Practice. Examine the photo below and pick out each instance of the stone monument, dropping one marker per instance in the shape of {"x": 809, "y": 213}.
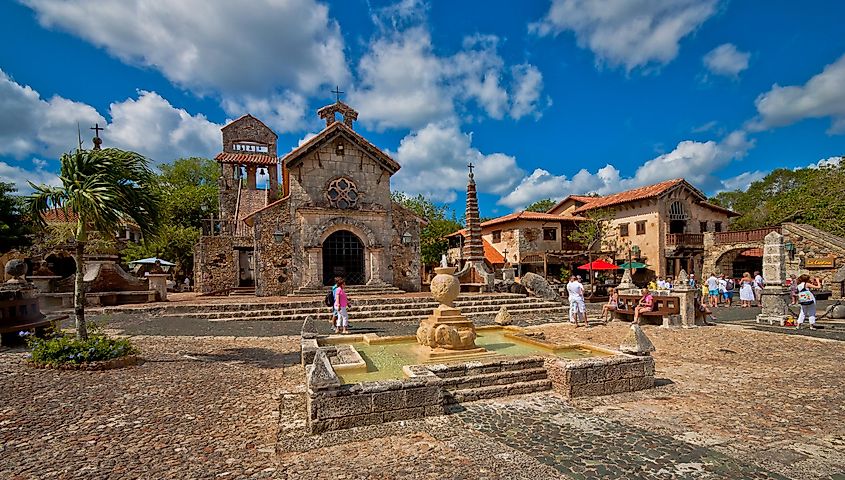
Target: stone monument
{"x": 627, "y": 283}
{"x": 19, "y": 305}
{"x": 686, "y": 299}
{"x": 446, "y": 332}
{"x": 775, "y": 297}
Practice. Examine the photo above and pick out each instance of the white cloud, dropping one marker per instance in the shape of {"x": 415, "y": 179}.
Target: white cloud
{"x": 150, "y": 125}
{"x": 726, "y": 60}
{"x": 20, "y": 177}
{"x": 698, "y": 162}
{"x": 742, "y": 181}
{"x": 31, "y": 125}
{"x": 434, "y": 163}
{"x": 822, "y": 96}
{"x": 630, "y": 33}
{"x": 405, "y": 84}
{"x": 215, "y": 45}
{"x": 285, "y": 112}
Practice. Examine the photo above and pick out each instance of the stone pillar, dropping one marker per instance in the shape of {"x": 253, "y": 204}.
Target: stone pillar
{"x": 272, "y": 171}
{"x": 708, "y": 260}
{"x": 686, "y": 299}
{"x": 775, "y": 298}
{"x": 473, "y": 248}
{"x": 250, "y": 177}
{"x": 158, "y": 282}
{"x": 315, "y": 270}
{"x": 375, "y": 264}
{"x": 509, "y": 274}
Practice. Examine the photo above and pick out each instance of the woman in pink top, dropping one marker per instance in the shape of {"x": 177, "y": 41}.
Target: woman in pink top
{"x": 646, "y": 304}
{"x": 340, "y": 304}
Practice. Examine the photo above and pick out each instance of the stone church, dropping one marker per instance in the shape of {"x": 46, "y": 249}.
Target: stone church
{"x": 331, "y": 215}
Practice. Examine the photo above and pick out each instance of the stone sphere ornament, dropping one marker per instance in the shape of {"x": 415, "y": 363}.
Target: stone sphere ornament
{"x": 16, "y": 269}
{"x": 445, "y": 287}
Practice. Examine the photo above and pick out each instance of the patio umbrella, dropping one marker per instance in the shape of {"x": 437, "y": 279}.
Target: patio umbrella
{"x": 598, "y": 265}
{"x": 152, "y": 260}
{"x": 633, "y": 265}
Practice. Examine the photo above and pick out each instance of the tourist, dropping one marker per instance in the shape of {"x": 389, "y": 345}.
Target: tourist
{"x": 577, "y": 308}
{"x": 646, "y": 304}
{"x": 611, "y": 306}
{"x": 703, "y": 311}
{"x": 722, "y": 284}
{"x": 713, "y": 290}
{"x": 746, "y": 290}
{"x": 187, "y": 284}
{"x": 340, "y": 305}
{"x": 730, "y": 287}
{"x": 807, "y": 300}
{"x": 758, "y": 287}
{"x": 692, "y": 280}
{"x": 793, "y": 289}
{"x": 661, "y": 284}
{"x": 330, "y": 301}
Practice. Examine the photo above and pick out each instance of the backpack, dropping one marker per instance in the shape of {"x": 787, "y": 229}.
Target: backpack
{"x": 329, "y": 300}
{"x": 805, "y": 297}
{"x": 729, "y": 285}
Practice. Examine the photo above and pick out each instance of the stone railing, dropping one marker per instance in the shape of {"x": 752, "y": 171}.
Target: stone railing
{"x": 744, "y": 236}
{"x": 684, "y": 239}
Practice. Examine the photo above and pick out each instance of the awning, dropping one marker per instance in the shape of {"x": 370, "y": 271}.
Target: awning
{"x": 598, "y": 265}
{"x": 151, "y": 261}
{"x": 633, "y": 265}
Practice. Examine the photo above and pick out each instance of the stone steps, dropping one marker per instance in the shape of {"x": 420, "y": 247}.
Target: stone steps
{"x": 496, "y": 391}
{"x": 377, "y": 316}
{"x": 350, "y": 289}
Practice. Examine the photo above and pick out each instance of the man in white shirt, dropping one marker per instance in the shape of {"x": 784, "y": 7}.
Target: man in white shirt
{"x": 576, "y": 301}
{"x": 713, "y": 290}
{"x": 758, "y": 287}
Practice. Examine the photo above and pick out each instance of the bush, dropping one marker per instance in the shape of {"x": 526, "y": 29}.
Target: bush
{"x": 67, "y": 349}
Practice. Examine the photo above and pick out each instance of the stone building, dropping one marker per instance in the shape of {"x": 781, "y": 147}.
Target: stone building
{"x": 332, "y": 215}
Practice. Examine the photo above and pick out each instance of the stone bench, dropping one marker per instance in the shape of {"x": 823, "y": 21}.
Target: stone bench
{"x": 665, "y": 308}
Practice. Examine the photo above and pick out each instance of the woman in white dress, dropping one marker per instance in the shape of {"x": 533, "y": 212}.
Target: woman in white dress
{"x": 746, "y": 290}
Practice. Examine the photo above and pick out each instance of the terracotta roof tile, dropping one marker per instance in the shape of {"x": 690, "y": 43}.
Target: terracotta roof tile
{"x": 491, "y": 254}
{"x": 57, "y": 215}
{"x": 642, "y": 193}
{"x": 530, "y": 216}
{"x": 246, "y": 158}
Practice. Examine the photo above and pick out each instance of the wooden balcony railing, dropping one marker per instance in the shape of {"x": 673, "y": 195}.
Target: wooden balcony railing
{"x": 743, "y": 236}
{"x": 685, "y": 239}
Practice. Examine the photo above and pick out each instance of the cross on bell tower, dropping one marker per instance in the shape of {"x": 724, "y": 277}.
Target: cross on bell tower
{"x": 97, "y": 140}
{"x": 329, "y": 112}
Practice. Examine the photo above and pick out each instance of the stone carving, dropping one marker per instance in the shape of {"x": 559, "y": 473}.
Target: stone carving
{"x": 503, "y": 317}
{"x": 309, "y": 328}
{"x": 446, "y": 331}
{"x": 321, "y": 374}
{"x": 538, "y": 286}
{"x": 16, "y": 269}
{"x": 445, "y": 287}
{"x": 836, "y": 312}
{"x": 636, "y": 342}
{"x": 443, "y": 262}
{"x": 627, "y": 283}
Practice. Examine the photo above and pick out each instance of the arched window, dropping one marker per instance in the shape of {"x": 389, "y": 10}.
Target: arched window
{"x": 677, "y": 211}
{"x": 342, "y": 193}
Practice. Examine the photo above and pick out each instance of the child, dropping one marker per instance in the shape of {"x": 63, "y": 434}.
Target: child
{"x": 340, "y": 305}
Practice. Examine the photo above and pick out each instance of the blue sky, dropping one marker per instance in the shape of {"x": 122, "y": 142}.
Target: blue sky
{"x": 548, "y": 97}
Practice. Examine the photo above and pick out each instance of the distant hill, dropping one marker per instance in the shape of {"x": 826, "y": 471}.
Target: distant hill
{"x": 813, "y": 195}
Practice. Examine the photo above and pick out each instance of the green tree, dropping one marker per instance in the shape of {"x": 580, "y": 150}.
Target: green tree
{"x": 14, "y": 230}
{"x": 541, "y": 206}
{"x": 815, "y": 196}
{"x": 104, "y": 188}
{"x": 433, "y": 241}
{"x": 593, "y": 232}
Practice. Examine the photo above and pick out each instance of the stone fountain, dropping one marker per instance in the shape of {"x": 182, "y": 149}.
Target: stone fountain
{"x": 446, "y": 332}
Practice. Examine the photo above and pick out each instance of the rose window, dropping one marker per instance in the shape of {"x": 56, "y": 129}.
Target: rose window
{"x": 342, "y": 193}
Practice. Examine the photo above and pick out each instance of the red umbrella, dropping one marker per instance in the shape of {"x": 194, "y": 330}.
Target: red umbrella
{"x": 598, "y": 265}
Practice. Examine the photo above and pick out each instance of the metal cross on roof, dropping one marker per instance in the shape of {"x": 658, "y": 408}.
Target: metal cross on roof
{"x": 470, "y": 166}
{"x": 337, "y": 93}
{"x": 97, "y": 140}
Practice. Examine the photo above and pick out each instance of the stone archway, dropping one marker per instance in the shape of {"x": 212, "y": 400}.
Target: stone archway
{"x": 344, "y": 256}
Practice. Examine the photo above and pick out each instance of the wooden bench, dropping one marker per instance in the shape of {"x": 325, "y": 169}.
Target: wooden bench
{"x": 663, "y": 308}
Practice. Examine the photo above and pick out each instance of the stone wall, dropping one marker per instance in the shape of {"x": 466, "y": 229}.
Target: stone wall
{"x": 274, "y": 270}
{"x": 215, "y": 264}
{"x": 814, "y": 243}
{"x": 602, "y": 375}
{"x": 405, "y": 258}
{"x": 251, "y": 129}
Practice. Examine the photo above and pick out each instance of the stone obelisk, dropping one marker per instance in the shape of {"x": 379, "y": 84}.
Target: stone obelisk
{"x": 775, "y": 294}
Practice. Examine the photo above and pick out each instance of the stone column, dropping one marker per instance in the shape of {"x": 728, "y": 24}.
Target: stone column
{"x": 158, "y": 282}
{"x": 251, "y": 177}
{"x": 315, "y": 270}
{"x": 775, "y": 298}
{"x": 375, "y": 254}
{"x": 686, "y": 299}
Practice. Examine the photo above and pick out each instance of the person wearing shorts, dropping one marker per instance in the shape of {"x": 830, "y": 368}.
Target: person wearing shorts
{"x": 577, "y": 307}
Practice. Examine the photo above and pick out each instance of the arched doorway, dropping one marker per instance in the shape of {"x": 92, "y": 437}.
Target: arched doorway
{"x": 61, "y": 265}
{"x": 678, "y": 218}
{"x": 343, "y": 256}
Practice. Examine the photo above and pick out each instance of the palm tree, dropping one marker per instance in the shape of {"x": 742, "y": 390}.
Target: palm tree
{"x": 100, "y": 189}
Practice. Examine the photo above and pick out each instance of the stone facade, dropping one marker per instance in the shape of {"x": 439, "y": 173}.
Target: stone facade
{"x": 336, "y": 217}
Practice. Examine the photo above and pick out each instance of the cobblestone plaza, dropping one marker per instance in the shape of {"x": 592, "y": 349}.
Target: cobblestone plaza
{"x": 731, "y": 402}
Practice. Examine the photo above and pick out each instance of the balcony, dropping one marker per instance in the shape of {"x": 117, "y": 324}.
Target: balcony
{"x": 744, "y": 236}
{"x": 685, "y": 239}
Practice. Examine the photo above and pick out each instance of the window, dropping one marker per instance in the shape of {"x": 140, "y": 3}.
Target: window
{"x": 623, "y": 229}
{"x": 342, "y": 193}
{"x": 717, "y": 226}
{"x": 250, "y": 147}
{"x": 549, "y": 234}
{"x": 497, "y": 236}
{"x": 641, "y": 227}
{"x": 703, "y": 226}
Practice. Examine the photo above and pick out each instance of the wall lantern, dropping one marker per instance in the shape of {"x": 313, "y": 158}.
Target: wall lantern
{"x": 279, "y": 236}
{"x": 790, "y": 248}
{"x": 406, "y": 238}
